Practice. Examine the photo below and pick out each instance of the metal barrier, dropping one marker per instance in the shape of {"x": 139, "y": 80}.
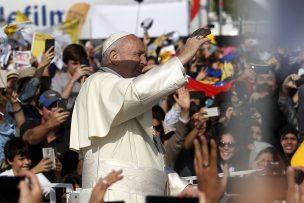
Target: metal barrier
{"x": 72, "y": 196}
{"x": 68, "y": 187}
{"x": 193, "y": 179}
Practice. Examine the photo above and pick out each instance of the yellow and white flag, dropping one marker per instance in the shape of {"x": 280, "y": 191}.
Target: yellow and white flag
{"x": 20, "y": 17}
{"x": 71, "y": 27}
{"x": 20, "y": 33}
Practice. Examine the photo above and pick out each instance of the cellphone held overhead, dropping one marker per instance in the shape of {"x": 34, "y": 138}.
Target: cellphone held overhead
{"x": 48, "y": 44}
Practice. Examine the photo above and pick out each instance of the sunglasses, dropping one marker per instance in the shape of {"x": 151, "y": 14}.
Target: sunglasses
{"x": 228, "y": 144}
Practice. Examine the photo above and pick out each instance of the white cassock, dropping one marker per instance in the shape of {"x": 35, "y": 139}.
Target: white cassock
{"x": 112, "y": 127}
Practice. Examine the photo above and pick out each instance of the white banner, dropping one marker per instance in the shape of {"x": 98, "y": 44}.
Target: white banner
{"x": 43, "y": 13}
{"x": 168, "y": 15}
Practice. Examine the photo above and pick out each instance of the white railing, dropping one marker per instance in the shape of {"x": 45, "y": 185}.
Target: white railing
{"x": 192, "y": 179}
{"x": 68, "y": 187}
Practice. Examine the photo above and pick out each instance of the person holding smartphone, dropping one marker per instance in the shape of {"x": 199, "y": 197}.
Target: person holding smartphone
{"x": 17, "y": 155}
{"x": 50, "y": 130}
{"x": 77, "y": 68}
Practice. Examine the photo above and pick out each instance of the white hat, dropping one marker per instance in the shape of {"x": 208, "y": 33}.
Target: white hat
{"x": 111, "y": 39}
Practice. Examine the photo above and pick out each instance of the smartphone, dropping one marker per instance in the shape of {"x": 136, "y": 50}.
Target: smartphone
{"x": 197, "y": 95}
{"x": 9, "y": 191}
{"x": 48, "y": 44}
{"x": 260, "y": 68}
{"x": 85, "y": 61}
{"x": 74, "y": 196}
{"x": 212, "y": 112}
{"x": 61, "y": 104}
{"x": 201, "y": 32}
{"x": 170, "y": 199}
{"x": 50, "y": 153}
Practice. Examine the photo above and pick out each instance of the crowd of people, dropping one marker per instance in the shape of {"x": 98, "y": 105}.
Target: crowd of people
{"x": 96, "y": 112}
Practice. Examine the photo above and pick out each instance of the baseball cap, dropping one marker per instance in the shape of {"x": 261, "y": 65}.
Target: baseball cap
{"x": 48, "y": 98}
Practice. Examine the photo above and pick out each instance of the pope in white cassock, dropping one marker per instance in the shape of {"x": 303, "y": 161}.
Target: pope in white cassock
{"x": 112, "y": 120}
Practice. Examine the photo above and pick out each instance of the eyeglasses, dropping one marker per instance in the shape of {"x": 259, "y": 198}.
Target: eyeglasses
{"x": 228, "y": 144}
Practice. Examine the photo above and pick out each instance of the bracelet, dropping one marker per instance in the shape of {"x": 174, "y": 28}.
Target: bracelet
{"x": 14, "y": 112}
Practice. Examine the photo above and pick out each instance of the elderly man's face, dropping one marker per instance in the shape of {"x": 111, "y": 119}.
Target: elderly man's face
{"x": 131, "y": 56}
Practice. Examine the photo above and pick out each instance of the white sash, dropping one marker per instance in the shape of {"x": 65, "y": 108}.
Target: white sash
{"x": 136, "y": 180}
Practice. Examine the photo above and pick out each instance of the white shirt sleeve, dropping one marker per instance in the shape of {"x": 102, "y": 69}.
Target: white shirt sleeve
{"x": 172, "y": 116}
{"x": 43, "y": 182}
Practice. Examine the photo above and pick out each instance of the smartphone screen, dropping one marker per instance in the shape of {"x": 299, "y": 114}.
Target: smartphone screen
{"x": 211, "y": 112}
{"x": 50, "y": 153}
{"x": 85, "y": 61}
{"x": 197, "y": 95}
{"x": 61, "y": 104}
{"x": 261, "y": 68}
{"x": 48, "y": 44}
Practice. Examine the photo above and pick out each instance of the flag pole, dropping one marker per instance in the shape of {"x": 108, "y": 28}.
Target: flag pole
{"x": 137, "y": 17}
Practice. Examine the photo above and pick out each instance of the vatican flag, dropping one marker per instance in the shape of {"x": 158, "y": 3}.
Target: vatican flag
{"x": 71, "y": 27}
{"x": 10, "y": 29}
{"x": 20, "y": 33}
{"x": 20, "y": 17}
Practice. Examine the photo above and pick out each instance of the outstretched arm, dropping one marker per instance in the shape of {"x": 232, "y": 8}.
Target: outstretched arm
{"x": 101, "y": 187}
